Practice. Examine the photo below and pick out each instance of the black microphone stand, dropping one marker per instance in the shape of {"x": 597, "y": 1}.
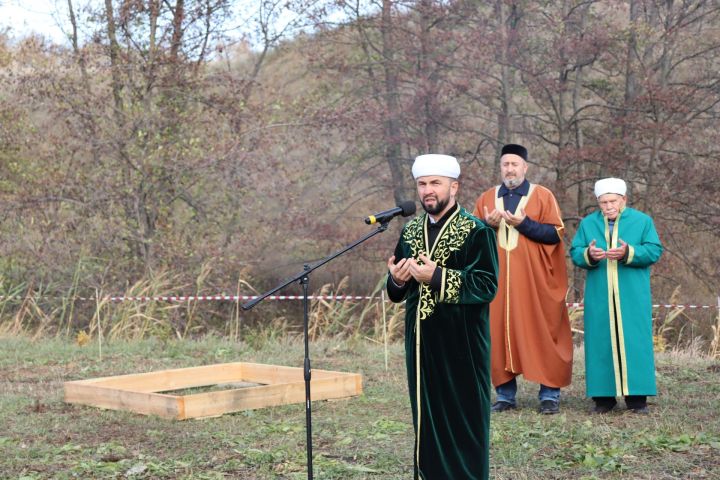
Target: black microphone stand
{"x": 304, "y": 279}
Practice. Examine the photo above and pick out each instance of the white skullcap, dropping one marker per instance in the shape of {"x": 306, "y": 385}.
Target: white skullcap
{"x": 610, "y": 185}
{"x": 434, "y": 164}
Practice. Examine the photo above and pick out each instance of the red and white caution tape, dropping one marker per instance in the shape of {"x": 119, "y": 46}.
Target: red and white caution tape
{"x": 237, "y": 298}
{"x": 232, "y": 298}
{"x": 658, "y": 305}
{"x": 195, "y": 298}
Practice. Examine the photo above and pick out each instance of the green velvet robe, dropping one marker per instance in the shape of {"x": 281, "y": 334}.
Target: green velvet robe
{"x": 618, "y": 305}
{"x": 448, "y": 357}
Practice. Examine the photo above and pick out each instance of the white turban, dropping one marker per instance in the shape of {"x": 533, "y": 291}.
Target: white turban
{"x": 434, "y": 164}
{"x": 610, "y": 185}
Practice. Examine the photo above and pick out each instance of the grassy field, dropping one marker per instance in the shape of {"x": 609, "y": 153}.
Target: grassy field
{"x": 367, "y": 437}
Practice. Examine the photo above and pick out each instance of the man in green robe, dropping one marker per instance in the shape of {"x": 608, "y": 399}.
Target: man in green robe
{"x": 617, "y": 245}
{"x": 445, "y": 267}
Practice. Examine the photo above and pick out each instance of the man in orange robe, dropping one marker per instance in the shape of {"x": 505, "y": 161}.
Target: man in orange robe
{"x": 529, "y": 324}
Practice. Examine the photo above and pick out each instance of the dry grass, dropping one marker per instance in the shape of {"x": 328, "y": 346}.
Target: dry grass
{"x": 28, "y": 311}
{"x": 368, "y": 437}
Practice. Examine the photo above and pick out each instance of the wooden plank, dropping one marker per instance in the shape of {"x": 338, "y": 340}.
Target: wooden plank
{"x": 336, "y": 387}
{"x": 217, "y": 403}
{"x": 166, "y": 406}
{"x": 282, "y": 385}
{"x": 175, "y": 379}
{"x": 271, "y": 374}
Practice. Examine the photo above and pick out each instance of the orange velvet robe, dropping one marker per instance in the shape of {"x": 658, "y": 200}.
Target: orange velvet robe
{"x": 529, "y": 324}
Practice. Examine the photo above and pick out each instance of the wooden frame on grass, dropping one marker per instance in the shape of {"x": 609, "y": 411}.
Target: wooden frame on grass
{"x": 140, "y": 393}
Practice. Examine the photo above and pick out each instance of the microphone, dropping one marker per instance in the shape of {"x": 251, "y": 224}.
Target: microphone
{"x": 405, "y": 209}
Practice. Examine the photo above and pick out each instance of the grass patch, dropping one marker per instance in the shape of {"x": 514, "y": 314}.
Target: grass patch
{"x": 370, "y": 437}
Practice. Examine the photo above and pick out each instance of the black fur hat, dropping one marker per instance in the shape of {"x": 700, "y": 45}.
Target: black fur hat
{"x": 515, "y": 149}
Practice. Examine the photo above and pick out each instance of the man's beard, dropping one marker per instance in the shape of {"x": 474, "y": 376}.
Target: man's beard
{"x": 439, "y": 206}
{"x": 511, "y": 182}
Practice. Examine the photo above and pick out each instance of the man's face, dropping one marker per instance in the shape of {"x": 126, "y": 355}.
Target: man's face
{"x": 611, "y": 204}
{"x": 512, "y": 170}
{"x": 435, "y": 192}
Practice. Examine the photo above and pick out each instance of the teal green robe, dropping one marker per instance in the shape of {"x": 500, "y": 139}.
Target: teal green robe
{"x": 618, "y": 305}
{"x": 448, "y": 357}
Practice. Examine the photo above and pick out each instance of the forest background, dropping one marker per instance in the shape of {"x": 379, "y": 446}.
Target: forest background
{"x": 201, "y": 147}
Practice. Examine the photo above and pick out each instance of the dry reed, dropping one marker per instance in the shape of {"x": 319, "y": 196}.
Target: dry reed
{"x": 28, "y": 311}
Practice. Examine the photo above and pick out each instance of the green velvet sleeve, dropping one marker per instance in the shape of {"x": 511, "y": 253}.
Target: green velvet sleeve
{"x": 477, "y": 282}
{"x": 395, "y": 293}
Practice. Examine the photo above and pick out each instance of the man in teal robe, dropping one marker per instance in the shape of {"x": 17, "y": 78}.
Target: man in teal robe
{"x": 617, "y": 245}
{"x": 445, "y": 267}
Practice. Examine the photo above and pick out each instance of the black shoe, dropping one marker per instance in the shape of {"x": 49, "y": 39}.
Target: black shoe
{"x": 603, "y": 405}
{"x": 549, "y": 407}
{"x": 643, "y": 410}
{"x": 603, "y": 408}
{"x": 501, "y": 406}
